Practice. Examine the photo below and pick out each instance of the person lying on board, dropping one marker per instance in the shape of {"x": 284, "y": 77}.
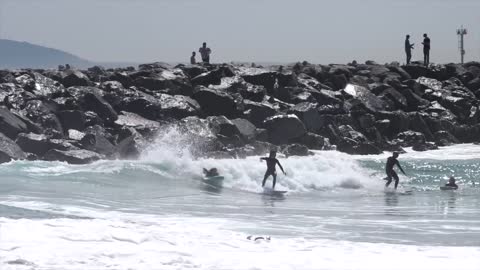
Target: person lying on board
{"x": 271, "y": 168}
{"x": 210, "y": 173}
{"x": 451, "y": 183}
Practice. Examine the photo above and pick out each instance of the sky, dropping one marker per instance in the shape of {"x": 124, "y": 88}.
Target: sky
{"x": 318, "y": 31}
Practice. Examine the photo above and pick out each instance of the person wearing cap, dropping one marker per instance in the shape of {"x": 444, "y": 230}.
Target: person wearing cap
{"x": 271, "y": 168}
{"x": 391, "y": 162}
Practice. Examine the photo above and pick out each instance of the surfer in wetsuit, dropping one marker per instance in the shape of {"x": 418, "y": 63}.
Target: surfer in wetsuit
{"x": 210, "y": 173}
{"x": 451, "y": 183}
{"x": 271, "y": 168}
{"x": 391, "y": 162}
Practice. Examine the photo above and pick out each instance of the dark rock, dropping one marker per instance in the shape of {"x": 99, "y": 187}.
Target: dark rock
{"x": 314, "y": 141}
{"x": 213, "y": 77}
{"x": 295, "y": 150}
{"x": 72, "y": 120}
{"x": 368, "y": 100}
{"x": 72, "y": 156}
{"x": 33, "y": 143}
{"x": 416, "y": 71}
{"x": 132, "y": 146}
{"x": 445, "y": 138}
{"x": 76, "y": 78}
{"x": 9, "y": 150}
{"x": 193, "y": 71}
{"x": 247, "y": 130}
{"x": 95, "y": 141}
{"x": 411, "y": 138}
{"x": 282, "y": 128}
{"x": 132, "y": 120}
{"x": 424, "y": 147}
{"x": 172, "y": 82}
{"x": 94, "y": 102}
{"x": 257, "y": 112}
{"x": 398, "y": 100}
{"x": 214, "y": 102}
{"x": 178, "y": 106}
{"x": 11, "y": 125}
{"x": 351, "y": 141}
{"x": 221, "y": 125}
{"x": 309, "y": 115}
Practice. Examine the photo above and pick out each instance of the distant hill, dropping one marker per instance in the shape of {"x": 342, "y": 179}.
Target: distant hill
{"x": 15, "y": 54}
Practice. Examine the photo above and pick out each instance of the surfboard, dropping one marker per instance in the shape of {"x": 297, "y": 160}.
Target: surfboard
{"x": 213, "y": 178}
{"x": 398, "y": 191}
{"x": 448, "y": 188}
{"x": 269, "y": 191}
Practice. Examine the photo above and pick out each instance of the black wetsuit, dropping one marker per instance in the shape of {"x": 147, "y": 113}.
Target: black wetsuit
{"x": 391, "y": 162}
{"x": 452, "y": 185}
{"x": 426, "y": 51}
{"x": 408, "y": 50}
{"x": 271, "y": 165}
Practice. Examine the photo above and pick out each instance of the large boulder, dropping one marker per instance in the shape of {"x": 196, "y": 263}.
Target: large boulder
{"x": 282, "y": 128}
{"x": 213, "y": 77}
{"x": 132, "y": 120}
{"x": 295, "y": 150}
{"x": 314, "y": 141}
{"x": 351, "y": 141}
{"x": 178, "y": 106}
{"x": 257, "y": 112}
{"x": 72, "y": 156}
{"x": 37, "y": 144}
{"x": 369, "y": 101}
{"x": 76, "y": 78}
{"x": 132, "y": 145}
{"x": 10, "y": 124}
{"x": 72, "y": 119}
{"x": 247, "y": 130}
{"x": 214, "y": 102}
{"x": 94, "y": 102}
{"x": 445, "y": 138}
{"x": 9, "y": 150}
{"x": 307, "y": 112}
{"x": 172, "y": 82}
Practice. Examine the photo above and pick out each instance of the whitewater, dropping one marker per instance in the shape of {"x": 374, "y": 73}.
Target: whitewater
{"x": 157, "y": 213}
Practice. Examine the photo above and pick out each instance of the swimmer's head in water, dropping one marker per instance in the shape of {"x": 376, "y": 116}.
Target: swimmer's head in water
{"x": 273, "y": 153}
{"x": 395, "y": 154}
{"x": 452, "y": 179}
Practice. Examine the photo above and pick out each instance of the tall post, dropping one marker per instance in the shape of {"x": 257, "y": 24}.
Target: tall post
{"x": 461, "y": 33}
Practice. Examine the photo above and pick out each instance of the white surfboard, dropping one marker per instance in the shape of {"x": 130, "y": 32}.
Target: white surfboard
{"x": 269, "y": 191}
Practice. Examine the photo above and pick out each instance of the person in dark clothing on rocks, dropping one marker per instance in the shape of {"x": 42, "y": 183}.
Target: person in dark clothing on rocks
{"x": 426, "y": 50}
{"x": 193, "y": 61}
{"x": 408, "y": 49}
{"x": 205, "y": 53}
{"x": 391, "y": 162}
{"x": 271, "y": 168}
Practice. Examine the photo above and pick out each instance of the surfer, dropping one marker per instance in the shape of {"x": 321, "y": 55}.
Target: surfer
{"x": 271, "y": 168}
{"x": 451, "y": 183}
{"x": 256, "y": 238}
{"x": 391, "y": 162}
{"x": 210, "y": 173}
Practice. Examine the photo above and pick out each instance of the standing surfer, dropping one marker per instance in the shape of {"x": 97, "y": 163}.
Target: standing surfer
{"x": 271, "y": 168}
{"x": 391, "y": 162}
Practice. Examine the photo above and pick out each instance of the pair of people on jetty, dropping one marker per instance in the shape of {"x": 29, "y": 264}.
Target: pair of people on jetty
{"x": 426, "y": 49}
{"x": 392, "y": 175}
{"x": 204, "y": 53}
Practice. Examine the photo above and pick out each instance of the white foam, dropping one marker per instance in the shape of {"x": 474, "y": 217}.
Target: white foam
{"x": 149, "y": 242}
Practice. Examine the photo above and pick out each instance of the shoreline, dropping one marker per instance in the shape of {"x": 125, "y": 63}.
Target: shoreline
{"x": 234, "y": 111}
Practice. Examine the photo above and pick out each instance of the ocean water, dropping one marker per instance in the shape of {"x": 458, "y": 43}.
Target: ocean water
{"x": 157, "y": 213}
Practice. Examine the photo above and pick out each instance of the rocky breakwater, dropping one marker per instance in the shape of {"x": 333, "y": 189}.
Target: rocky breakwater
{"x": 232, "y": 111}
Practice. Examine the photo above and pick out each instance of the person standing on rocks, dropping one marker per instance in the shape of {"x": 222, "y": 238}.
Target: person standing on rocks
{"x": 426, "y": 50}
{"x": 205, "y": 53}
{"x": 391, "y": 162}
{"x": 193, "y": 61}
{"x": 408, "y": 49}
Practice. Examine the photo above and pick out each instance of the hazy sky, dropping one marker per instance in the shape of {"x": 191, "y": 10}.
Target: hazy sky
{"x": 244, "y": 30}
